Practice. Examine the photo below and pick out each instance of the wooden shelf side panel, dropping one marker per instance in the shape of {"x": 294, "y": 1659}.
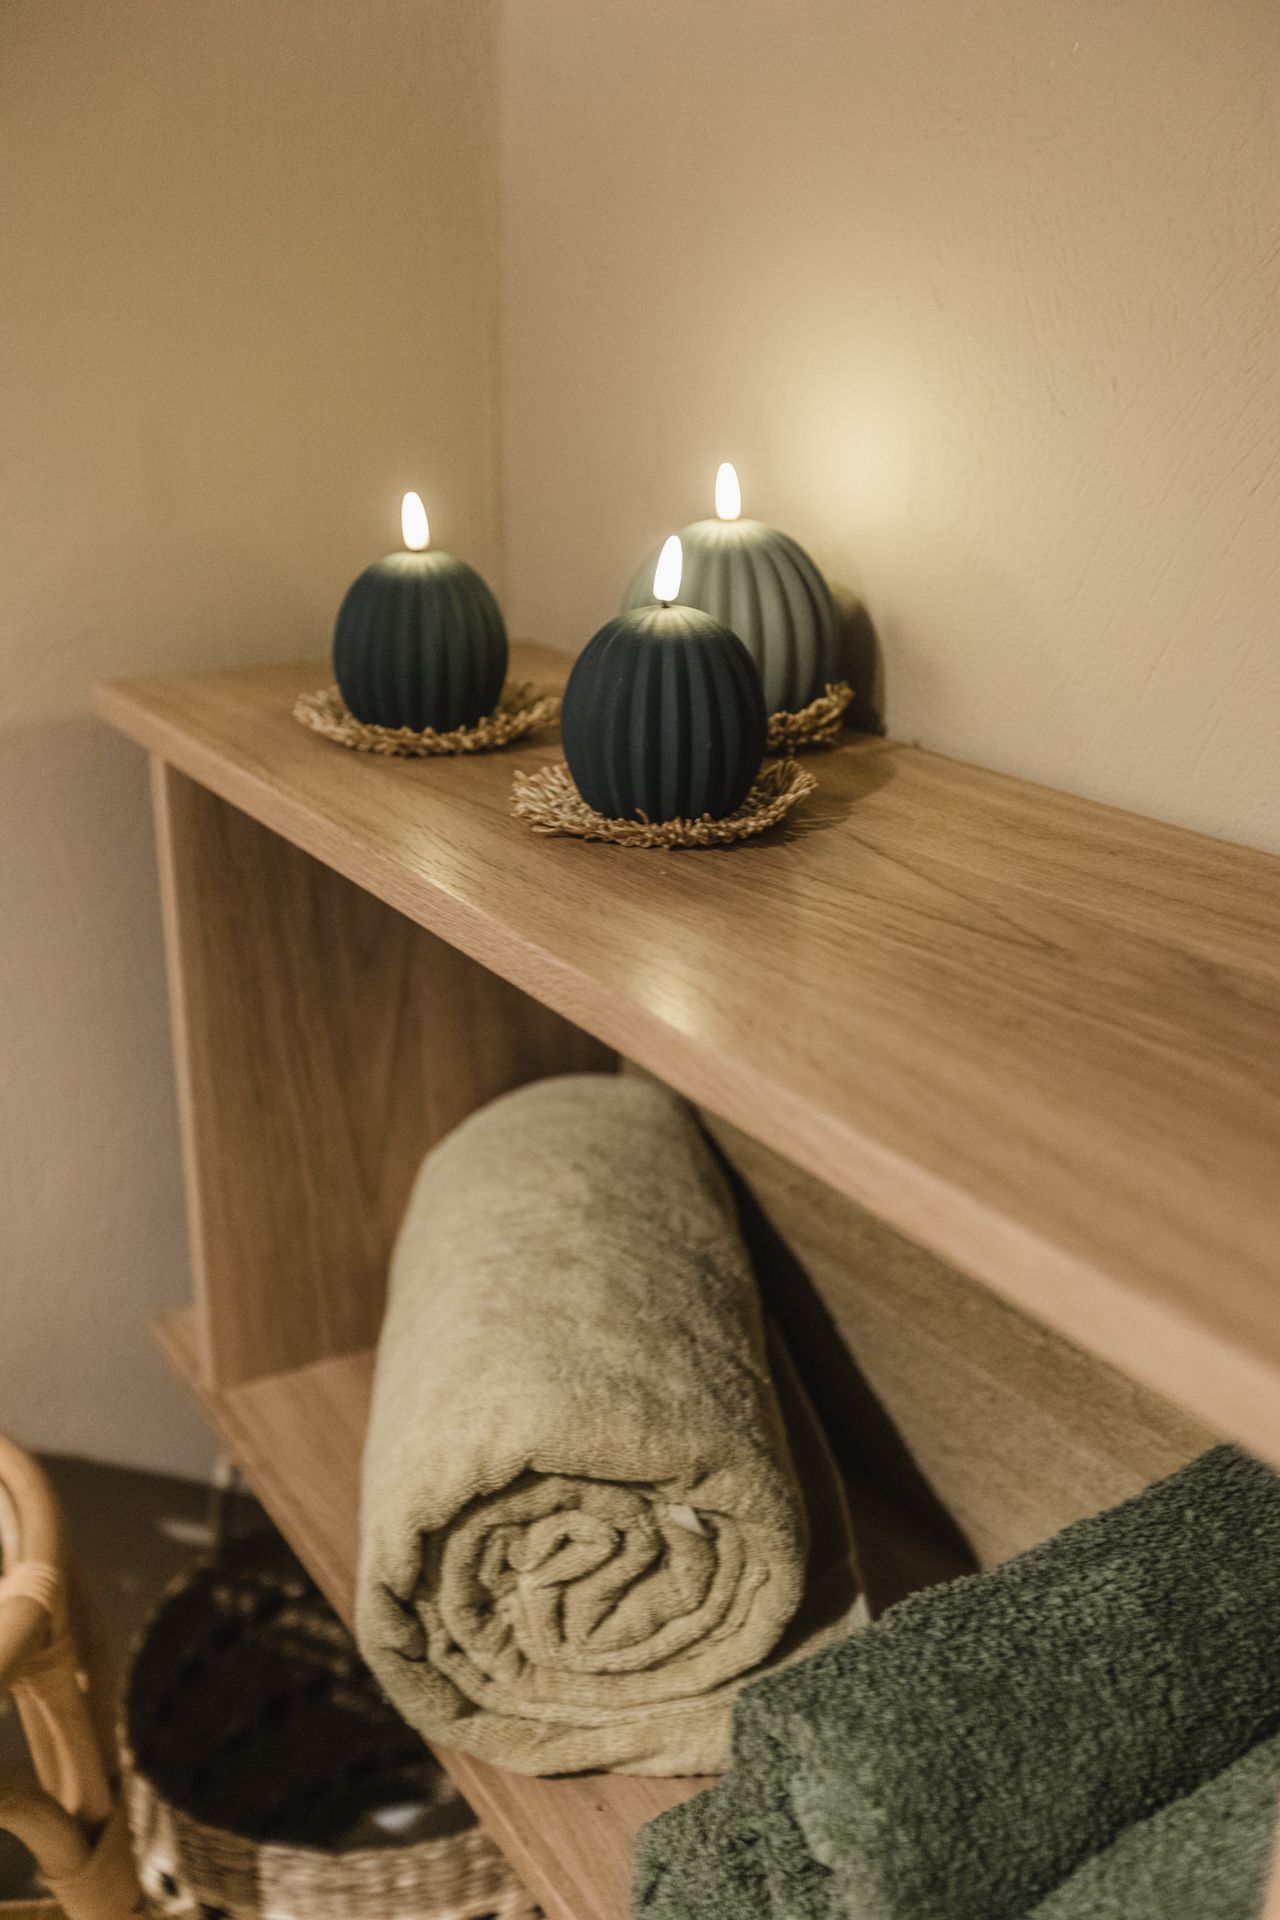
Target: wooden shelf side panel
{"x": 323, "y": 1042}
{"x": 958, "y": 1408}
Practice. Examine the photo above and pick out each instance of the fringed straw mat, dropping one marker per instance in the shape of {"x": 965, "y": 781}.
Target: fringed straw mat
{"x": 549, "y": 802}
{"x": 520, "y": 710}
{"x": 817, "y": 725}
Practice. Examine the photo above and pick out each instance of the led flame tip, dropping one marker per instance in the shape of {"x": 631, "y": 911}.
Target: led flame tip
{"x": 413, "y": 523}
{"x": 666, "y": 575}
{"x": 728, "y": 492}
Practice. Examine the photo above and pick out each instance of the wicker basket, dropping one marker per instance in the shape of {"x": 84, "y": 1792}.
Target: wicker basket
{"x": 267, "y": 1776}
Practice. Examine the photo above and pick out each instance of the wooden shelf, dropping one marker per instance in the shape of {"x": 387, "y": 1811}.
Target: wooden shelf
{"x": 298, "y": 1437}
{"x": 1038, "y": 1036}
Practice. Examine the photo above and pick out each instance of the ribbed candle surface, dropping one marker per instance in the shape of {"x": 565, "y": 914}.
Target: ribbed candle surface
{"x": 664, "y": 715}
{"x": 420, "y": 642}
{"x": 765, "y": 588}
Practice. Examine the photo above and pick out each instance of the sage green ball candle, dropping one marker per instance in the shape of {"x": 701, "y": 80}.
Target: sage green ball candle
{"x": 663, "y": 714}
{"x": 763, "y": 586}
{"x": 420, "y": 640}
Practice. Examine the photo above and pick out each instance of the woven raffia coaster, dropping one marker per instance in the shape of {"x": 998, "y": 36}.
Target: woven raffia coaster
{"x": 549, "y": 802}
{"x": 520, "y": 710}
{"x": 817, "y": 725}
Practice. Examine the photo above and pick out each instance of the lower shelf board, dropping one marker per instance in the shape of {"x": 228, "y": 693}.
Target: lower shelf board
{"x": 298, "y": 1438}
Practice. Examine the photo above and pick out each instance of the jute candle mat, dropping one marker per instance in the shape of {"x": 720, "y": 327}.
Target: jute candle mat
{"x": 820, "y": 724}
{"x": 521, "y": 710}
{"x": 549, "y": 803}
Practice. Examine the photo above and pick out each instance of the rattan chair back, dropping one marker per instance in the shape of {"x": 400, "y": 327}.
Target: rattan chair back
{"x": 70, "y": 1823}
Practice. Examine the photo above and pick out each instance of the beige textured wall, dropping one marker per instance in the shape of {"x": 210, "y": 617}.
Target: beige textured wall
{"x": 981, "y": 298}
{"x": 247, "y": 297}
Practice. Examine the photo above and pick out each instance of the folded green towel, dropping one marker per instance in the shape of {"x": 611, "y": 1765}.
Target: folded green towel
{"x": 1204, "y": 1857}
{"x": 983, "y": 1740}
{"x": 705, "y": 1860}
{"x": 580, "y": 1520}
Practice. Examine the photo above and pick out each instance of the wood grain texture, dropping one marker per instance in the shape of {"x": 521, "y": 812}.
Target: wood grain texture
{"x": 939, "y": 1393}
{"x": 1033, "y": 1034}
{"x": 323, "y": 1042}
{"x": 1271, "y": 1911}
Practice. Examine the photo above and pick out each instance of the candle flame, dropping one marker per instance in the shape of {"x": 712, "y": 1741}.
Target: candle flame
{"x": 728, "y": 492}
{"x": 666, "y": 575}
{"x": 413, "y": 523}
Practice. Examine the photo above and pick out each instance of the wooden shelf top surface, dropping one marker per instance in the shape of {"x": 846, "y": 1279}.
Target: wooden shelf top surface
{"x": 1037, "y": 1035}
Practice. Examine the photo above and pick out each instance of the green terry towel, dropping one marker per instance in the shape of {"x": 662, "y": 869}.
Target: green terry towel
{"x": 705, "y": 1860}
{"x": 971, "y": 1750}
{"x": 1205, "y": 1857}
{"x": 581, "y": 1523}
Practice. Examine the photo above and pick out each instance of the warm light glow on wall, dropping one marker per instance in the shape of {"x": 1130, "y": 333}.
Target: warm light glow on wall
{"x": 413, "y": 523}
{"x": 728, "y": 492}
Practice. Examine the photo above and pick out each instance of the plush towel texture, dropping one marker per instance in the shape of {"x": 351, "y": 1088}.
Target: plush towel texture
{"x": 581, "y": 1523}
{"x": 1205, "y": 1857}
{"x": 979, "y": 1743}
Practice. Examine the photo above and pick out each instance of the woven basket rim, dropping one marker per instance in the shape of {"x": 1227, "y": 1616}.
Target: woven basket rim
{"x": 452, "y": 1875}
{"x": 218, "y": 1564}
{"x": 354, "y": 1857}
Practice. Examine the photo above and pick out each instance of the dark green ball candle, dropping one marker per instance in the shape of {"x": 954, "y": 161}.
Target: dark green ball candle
{"x": 664, "y": 713}
{"x": 420, "y": 640}
{"x": 763, "y": 585}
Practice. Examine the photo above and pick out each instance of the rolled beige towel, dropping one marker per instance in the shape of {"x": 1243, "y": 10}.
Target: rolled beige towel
{"x": 581, "y": 1524}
